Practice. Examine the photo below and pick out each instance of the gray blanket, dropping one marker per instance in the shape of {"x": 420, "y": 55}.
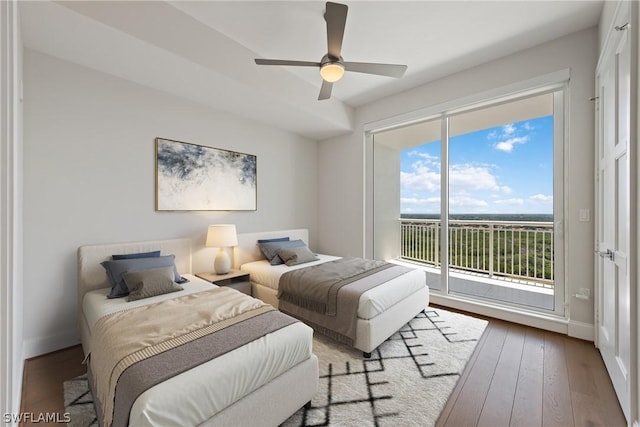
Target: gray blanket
{"x": 326, "y": 296}
{"x": 145, "y": 374}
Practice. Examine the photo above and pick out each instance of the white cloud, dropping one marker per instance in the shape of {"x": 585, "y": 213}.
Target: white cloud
{"x": 541, "y": 198}
{"x": 419, "y": 201}
{"x": 508, "y": 136}
{"x": 509, "y": 202}
{"x": 471, "y": 186}
{"x": 508, "y": 129}
{"x": 507, "y": 146}
{"x": 467, "y": 176}
{"x": 462, "y": 178}
{"x": 466, "y": 202}
{"x": 426, "y": 156}
{"x": 421, "y": 178}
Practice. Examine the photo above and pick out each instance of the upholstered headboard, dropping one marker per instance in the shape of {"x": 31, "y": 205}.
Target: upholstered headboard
{"x": 91, "y": 275}
{"x": 248, "y": 251}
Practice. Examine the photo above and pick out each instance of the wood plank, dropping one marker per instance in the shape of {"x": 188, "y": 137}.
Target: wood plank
{"x": 444, "y": 414}
{"x": 580, "y": 367}
{"x": 469, "y": 403}
{"x": 499, "y": 402}
{"x": 594, "y": 403}
{"x": 527, "y": 402}
{"x": 556, "y": 403}
{"x": 42, "y": 391}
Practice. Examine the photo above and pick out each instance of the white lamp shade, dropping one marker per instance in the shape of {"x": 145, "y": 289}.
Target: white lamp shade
{"x": 221, "y": 236}
{"x": 332, "y": 71}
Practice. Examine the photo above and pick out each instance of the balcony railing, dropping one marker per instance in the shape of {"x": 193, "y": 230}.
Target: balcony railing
{"x": 513, "y": 250}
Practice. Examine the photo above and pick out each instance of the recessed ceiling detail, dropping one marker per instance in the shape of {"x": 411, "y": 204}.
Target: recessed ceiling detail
{"x": 204, "y": 51}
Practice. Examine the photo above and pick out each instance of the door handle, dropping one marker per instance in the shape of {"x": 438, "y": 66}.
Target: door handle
{"x": 606, "y": 254}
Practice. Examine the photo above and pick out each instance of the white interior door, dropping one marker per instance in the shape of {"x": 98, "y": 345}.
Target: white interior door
{"x": 614, "y": 327}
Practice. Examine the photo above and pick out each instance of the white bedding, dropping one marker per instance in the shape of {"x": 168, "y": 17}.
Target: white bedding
{"x": 214, "y": 385}
{"x": 372, "y": 302}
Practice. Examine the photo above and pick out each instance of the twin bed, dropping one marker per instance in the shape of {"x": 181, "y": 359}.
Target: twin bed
{"x": 263, "y": 381}
{"x": 381, "y": 311}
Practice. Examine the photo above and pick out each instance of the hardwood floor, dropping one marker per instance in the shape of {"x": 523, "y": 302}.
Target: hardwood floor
{"x": 43, "y": 378}
{"x": 521, "y": 376}
{"x": 517, "y": 376}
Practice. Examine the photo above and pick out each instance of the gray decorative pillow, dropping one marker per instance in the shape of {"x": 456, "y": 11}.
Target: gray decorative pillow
{"x": 270, "y": 249}
{"x": 149, "y": 283}
{"x": 115, "y": 270}
{"x": 295, "y": 256}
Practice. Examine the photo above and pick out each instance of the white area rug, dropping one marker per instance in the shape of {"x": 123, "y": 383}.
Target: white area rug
{"x": 406, "y": 382}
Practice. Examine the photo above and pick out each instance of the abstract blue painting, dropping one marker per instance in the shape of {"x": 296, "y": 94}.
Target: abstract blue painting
{"x": 192, "y": 177}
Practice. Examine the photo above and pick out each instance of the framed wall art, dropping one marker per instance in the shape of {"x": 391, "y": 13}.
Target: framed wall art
{"x": 191, "y": 177}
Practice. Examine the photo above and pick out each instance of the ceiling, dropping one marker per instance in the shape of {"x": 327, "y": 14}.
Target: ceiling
{"x": 204, "y": 50}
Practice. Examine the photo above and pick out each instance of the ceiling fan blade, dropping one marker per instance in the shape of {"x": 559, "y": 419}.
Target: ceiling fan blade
{"x": 325, "y": 90}
{"x": 261, "y": 61}
{"x": 390, "y": 70}
{"x": 336, "y": 17}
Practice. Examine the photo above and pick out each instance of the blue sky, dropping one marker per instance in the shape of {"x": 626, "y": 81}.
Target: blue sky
{"x": 505, "y": 169}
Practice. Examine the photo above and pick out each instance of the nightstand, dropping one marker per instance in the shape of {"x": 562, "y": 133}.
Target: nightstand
{"x": 236, "y": 279}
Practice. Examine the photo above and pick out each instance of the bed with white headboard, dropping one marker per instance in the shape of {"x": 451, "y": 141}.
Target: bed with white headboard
{"x": 382, "y": 310}
{"x": 271, "y": 402}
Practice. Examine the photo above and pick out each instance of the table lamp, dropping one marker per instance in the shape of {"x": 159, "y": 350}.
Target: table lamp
{"x": 222, "y": 236}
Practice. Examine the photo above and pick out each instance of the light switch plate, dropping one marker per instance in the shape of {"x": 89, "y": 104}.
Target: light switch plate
{"x": 585, "y": 215}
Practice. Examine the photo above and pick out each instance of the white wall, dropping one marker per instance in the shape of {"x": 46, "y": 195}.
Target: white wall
{"x": 89, "y": 177}
{"x": 342, "y": 208}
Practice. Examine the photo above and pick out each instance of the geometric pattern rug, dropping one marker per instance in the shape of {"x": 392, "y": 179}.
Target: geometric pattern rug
{"x": 78, "y": 402}
{"x": 406, "y": 382}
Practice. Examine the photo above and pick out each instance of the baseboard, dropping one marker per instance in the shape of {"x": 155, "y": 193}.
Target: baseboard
{"x": 535, "y": 320}
{"x": 37, "y": 346}
{"x": 584, "y": 331}
{"x": 18, "y": 382}
{"x": 14, "y": 391}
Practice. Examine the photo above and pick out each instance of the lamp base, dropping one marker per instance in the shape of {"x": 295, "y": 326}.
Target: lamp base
{"x": 222, "y": 263}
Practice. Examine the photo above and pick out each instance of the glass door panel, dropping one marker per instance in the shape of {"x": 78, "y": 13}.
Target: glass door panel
{"x": 501, "y": 223}
{"x": 407, "y": 169}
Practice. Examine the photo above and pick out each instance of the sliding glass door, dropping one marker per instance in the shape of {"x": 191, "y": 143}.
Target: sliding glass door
{"x": 475, "y": 200}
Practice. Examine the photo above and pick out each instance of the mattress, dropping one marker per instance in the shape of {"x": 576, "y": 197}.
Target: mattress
{"x": 195, "y": 395}
{"x": 372, "y": 302}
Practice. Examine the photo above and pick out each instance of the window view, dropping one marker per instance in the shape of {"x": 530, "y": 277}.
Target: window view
{"x": 500, "y": 200}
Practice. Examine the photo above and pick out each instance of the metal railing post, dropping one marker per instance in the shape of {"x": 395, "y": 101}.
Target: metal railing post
{"x": 490, "y": 250}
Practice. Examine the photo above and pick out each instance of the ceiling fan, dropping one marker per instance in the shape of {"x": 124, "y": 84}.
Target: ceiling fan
{"x": 332, "y": 66}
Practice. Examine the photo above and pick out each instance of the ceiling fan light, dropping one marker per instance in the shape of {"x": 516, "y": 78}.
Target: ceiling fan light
{"x": 332, "y": 71}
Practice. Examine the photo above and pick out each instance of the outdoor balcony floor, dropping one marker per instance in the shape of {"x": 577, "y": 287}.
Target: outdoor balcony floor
{"x": 506, "y": 291}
